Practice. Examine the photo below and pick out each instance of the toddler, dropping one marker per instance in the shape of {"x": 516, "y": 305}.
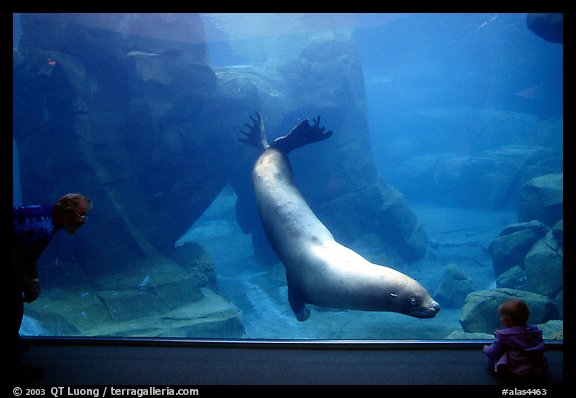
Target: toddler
{"x": 518, "y": 349}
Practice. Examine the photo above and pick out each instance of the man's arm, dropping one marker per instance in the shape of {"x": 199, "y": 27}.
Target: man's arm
{"x": 25, "y": 273}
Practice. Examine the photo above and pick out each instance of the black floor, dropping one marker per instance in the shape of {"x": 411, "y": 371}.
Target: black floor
{"x": 84, "y": 362}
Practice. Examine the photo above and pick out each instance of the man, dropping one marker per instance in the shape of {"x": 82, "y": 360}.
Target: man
{"x": 33, "y": 228}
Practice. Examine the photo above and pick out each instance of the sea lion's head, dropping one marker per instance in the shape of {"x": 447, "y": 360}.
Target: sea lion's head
{"x": 412, "y": 299}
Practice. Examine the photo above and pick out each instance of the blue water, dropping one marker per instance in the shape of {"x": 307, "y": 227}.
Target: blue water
{"x": 454, "y": 64}
{"x": 441, "y": 90}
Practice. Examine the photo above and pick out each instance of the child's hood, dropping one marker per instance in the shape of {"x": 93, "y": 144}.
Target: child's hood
{"x": 528, "y": 337}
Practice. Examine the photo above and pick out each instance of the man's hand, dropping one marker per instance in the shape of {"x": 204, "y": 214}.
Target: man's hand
{"x": 32, "y": 291}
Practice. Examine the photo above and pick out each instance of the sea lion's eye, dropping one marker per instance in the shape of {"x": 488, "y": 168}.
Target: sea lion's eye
{"x": 393, "y": 295}
{"x": 413, "y": 301}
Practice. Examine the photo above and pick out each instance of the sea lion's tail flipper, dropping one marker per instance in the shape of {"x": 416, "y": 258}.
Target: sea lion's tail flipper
{"x": 303, "y": 134}
{"x": 256, "y": 136}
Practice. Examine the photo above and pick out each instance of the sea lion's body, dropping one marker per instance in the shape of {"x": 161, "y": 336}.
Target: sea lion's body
{"x": 319, "y": 270}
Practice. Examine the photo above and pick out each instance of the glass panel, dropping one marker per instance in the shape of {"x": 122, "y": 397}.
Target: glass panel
{"x": 440, "y": 186}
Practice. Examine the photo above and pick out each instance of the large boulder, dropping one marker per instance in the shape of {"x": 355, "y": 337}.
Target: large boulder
{"x": 530, "y": 256}
{"x": 159, "y": 299}
{"x": 480, "y": 311}
{"x": 118, "y": 90}
{"x": 544, "y": 265}
{"x": 454, "y": 288}
{"x": 553, "y": 330}
{"x": 193, "y": 258}
{"x": 541, "y": 199}
{"x": 399, "y": 226}
{"x": 513, "y": 278}
{"x": 131, "y": 304}
{"x": 46, "y": 324}
{"x": 382, "y": 210}
{"x": 509, "y": 248}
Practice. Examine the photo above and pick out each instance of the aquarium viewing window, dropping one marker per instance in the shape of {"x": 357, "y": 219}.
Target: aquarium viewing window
{"x": 444, "y": 163}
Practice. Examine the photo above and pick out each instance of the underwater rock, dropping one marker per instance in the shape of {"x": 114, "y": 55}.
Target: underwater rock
{"x": 124, "y": 305}
{"x": 454, "y": 288}
{"x": 211, "y": 317}
{"x": 480, "y": 311}
{"x": 558, "y": 233}
{"x": 225, "y": 328}
{"x": 471, "y": 130}
{"x": 193, "y": 258}
{"x": 559, "y": 301}
{"x": 397, "y": 224}
{"x": 489, "y": 178}
{"x": 78, "y": 305}
{"x": 112, "y": 35}
{"x": 120, "y": 89}
{"x": 549, "y": 26}
{"x": 513, "y": 278}
{"x": 535, "y": 226}
{"x": 166, "y": 302}
{"x": 460, "y": 335}
{"x": 509, "y": 248}
{"x": 552, "y": 330}
{"x": 541, "y": 199}
{"x": 382, "y": 210}
{"x": 44, "y": 323}
{"x": 178, "y": 293}
{"x": 478, "y": 132}
{"x": 544, "y": 267}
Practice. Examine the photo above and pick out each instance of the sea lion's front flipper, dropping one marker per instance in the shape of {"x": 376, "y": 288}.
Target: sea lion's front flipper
{"x": 303, "y": 134}
{"x": 297, "y": 304}
{"x": 256, "y": 136}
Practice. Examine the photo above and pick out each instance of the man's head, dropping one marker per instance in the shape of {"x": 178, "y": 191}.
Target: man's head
{"x": 71, "y": 212}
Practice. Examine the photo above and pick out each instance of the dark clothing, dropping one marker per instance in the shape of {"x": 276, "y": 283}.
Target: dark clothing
{"x": 32, "y": 228}
{"x": 518, "y": 350}
{"x": 32, "y": 231}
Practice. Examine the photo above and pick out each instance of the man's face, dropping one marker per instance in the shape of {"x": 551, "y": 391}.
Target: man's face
{"x": 75, "y": 218}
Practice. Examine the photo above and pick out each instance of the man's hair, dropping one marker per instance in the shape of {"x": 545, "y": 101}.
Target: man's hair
{"x": 72, "y": 200}
{"x": 516, "y": 310}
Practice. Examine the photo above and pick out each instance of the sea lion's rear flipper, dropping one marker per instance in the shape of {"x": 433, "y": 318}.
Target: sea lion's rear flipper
{"x": 256, "y": 136}
{"x": 297, "y": 304}
{"x": 303, "y": 134}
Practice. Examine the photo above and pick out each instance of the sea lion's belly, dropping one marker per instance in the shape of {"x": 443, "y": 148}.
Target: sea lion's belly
{"x": 287, "y": 219}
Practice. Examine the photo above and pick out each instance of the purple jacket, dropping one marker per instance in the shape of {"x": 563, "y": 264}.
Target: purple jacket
{"x": 520, "y": 349}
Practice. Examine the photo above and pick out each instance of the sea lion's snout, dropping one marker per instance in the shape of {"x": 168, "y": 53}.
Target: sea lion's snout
{"x": 434, "y": 307}
{"x": 428, "y": 309}
{"x": 432, "y": 310}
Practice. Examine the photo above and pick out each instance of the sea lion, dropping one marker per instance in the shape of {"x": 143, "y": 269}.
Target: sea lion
{"x": 319, "y": 270}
